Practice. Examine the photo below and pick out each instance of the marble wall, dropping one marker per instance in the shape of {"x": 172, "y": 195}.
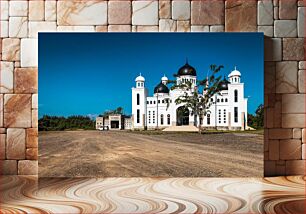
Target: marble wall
{"x": 282, "y": 21}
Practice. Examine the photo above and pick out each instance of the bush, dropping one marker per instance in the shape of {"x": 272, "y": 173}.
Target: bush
{"x": 55, "y": 123}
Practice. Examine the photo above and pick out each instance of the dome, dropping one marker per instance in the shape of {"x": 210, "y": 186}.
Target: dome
{"x": 140, "y": 78}
{"x": 223, "y": 85}
{"x": 187, "y": 70}
{"x": 161, "y": 88}
{"x": 164, "y": 78}
{"x": 234, "y": 73}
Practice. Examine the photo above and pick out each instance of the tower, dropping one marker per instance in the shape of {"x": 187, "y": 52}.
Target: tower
{"x": 139, "y": 103}
{"x": 164, "y": 80}
{"x": 237, "y": 103}
{"x": 234, "y": 76}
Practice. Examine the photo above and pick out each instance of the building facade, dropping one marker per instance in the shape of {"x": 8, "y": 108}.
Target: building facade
{"x": 228, "y": 109}
{"x": 113, "y": 122}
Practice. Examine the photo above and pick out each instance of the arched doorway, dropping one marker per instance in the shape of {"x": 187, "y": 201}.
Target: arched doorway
{"x": 182, "y": 115}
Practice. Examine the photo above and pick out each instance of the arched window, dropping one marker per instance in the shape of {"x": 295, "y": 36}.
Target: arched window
{"x": 208, "y": 119}
{"x": 222, "y": 100}
{"x": 168, "y": 119}
{"x": 236, "y": 96}
{"x": 225, "y": 99}
{"x": 138, "y": 99}
{"x": 235, "y": 79}
{"x": 161, "y": 119}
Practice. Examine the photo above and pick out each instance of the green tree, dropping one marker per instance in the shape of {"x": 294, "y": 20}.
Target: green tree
{"x": 196, "y": 100}
{"x": 118, "y": 110}
{"x": 260, "y": 116}
{"x": 257, "y": 120}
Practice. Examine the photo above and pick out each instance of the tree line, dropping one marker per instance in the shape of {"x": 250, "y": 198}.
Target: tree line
{"x": 56, "y": 123}
{"x": 59, "y": 123}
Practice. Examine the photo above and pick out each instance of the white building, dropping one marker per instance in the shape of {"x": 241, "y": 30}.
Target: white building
{"x": 114, "y": 122}
{"x": 228, "y": 110}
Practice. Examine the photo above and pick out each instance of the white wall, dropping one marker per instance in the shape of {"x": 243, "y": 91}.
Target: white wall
{"x": 240, "y": 104}
{"x": 142, "y": 107}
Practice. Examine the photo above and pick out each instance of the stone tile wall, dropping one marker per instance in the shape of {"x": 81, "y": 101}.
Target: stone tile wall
{"x": 282, "y": 21}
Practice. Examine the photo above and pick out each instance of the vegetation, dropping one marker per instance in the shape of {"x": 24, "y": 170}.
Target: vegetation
{"x": 194, "y": 99}
{"x": 55, "y": 123}
{"x": 118, "y": 110}
{"x": 257, "y": 121}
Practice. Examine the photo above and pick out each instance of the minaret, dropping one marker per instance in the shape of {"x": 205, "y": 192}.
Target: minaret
{"x": 139, "y": 103}
{"x": 236, "y": 101}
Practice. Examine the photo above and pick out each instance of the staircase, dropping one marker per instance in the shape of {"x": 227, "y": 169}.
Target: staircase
{"x": 181, "y": 129}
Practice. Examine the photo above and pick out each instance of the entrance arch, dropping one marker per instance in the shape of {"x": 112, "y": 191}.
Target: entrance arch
{"x": 182, "y": 115}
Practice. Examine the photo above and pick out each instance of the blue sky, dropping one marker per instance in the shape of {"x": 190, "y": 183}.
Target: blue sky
{"x": 88, "y": 73}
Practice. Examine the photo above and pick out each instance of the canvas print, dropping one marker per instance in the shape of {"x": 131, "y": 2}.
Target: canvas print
{"x": 151, "y": 105}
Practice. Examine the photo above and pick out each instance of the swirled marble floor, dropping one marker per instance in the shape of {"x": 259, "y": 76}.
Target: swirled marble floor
{"x": 152, "y": 195}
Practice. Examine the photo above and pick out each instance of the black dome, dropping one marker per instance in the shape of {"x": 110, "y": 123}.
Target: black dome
{"x": 223, "y": 85}
{"x": 161, "y": 88}
{"x": 187, "y": 70}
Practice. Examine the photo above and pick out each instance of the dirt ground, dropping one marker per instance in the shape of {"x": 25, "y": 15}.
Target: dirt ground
{"x": 153, "y": 154}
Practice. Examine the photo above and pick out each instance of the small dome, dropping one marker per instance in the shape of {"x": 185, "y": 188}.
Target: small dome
{"x": 161, "y": 88}
{"x": 223, "y": 85}
{"x": 164, "y": 78}
{"x": 235, "y": 73}
{"x": 140, "y": 78}
{"x": 187, "y": 70}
